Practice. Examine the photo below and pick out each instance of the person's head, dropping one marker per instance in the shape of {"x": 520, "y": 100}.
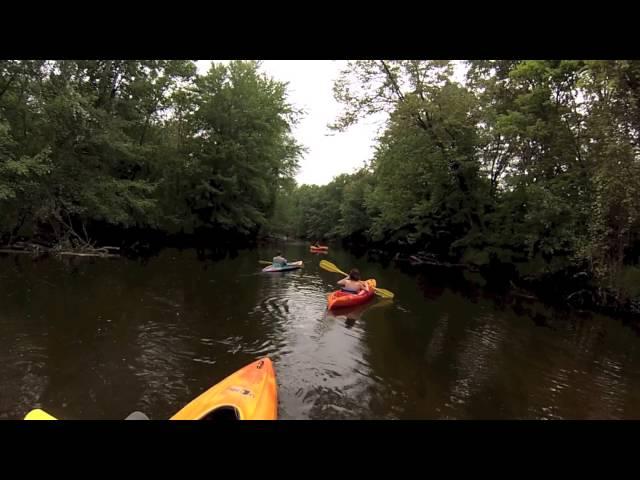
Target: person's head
{"x": 354, "y": 274}
{"x": 278, "y": 254}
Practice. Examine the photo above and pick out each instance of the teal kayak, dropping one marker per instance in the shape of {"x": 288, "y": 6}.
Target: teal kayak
{"x": 288, "y": 266}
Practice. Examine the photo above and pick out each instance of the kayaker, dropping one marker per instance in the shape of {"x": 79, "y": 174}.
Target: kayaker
{"x": 279, "y": 260}
{"x": 352, "y": 283}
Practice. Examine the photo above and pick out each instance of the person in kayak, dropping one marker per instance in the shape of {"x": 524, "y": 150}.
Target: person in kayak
{"x": 352, "y": 283}
{"x": 279, "y": 260}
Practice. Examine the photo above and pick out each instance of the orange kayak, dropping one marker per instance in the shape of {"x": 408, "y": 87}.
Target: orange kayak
{"x": 340, "y": 299}
{"x": 319, "y": 249}
{"x": 248, "y": 394}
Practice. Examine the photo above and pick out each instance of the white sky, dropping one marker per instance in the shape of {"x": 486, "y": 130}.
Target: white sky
{"x": 311, "y": 88}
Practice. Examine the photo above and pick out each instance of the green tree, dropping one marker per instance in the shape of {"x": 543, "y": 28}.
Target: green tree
{"x": 140, "y": 144}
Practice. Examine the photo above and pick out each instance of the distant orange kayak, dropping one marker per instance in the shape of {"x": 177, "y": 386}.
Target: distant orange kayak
{"x": 319, "y": 249}
{"x": 248, "y": 394}
{"x": 340, "y": 299}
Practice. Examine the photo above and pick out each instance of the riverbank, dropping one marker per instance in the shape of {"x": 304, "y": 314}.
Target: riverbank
{"x": 33, "y": 248}
{"x": 571, "y": 287}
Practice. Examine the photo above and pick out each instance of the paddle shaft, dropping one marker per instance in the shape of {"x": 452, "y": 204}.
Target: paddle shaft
{"x": 326, "y": 265}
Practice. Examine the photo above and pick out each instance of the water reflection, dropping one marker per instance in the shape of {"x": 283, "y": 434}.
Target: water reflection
{"x": 96, "y": 338}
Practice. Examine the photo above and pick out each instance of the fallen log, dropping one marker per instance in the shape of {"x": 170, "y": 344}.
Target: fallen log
{"x": 421, "y": 261}
{"x": 38, "y": 249}
{"x": 13, "y": 250}
{"x": 81, "y": 254}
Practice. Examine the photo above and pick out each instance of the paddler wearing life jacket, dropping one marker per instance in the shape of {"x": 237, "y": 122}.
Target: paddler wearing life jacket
{"x": 352, "y": 283}
{"x": 279, "y": 260}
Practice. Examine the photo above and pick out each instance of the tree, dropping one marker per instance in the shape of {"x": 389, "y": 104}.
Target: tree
{"x": 144, "y": 145}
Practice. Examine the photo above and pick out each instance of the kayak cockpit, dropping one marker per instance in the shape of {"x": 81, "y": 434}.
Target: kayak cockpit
{"x": 225, "y": 413}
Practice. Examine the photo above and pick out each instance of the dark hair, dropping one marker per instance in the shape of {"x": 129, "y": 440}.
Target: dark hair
{"x": 354, "y": 274}
{"x": 278, "y": 254}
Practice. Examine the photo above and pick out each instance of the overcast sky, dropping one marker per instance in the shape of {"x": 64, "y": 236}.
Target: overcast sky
{"x": 311, "y": 88}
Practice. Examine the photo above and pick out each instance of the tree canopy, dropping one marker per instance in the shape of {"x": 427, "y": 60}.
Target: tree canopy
{"x": 531, "y": 163}
{"x": 124, "y": 144}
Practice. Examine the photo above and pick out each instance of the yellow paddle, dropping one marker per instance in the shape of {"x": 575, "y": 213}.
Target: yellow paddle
{"x": 264, "y": 262}
{"x": 330, "y": 267}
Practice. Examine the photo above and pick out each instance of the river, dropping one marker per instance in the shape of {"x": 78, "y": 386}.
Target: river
{"x": 96, "y": 338}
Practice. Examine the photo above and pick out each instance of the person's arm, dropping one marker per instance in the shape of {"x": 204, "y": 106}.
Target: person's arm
{"x": 343, "y": 282}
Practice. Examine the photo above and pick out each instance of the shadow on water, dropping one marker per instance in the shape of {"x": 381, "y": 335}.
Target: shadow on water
{"x": 99, "y": 338}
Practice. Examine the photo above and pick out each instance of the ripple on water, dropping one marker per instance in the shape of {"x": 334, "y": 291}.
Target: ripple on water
{"x": 165, "y": 339}
{"x": 609, "y": 390}
{"x": 24, "y": 373}
{"x": 475, "y": 363}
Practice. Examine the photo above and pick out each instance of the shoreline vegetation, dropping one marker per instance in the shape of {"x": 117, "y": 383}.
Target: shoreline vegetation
{"x": 526, "y": 173}
{"x": 39, "y": 249}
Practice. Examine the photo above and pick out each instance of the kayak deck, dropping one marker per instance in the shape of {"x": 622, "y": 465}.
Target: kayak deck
{"x": 248, "y": 394}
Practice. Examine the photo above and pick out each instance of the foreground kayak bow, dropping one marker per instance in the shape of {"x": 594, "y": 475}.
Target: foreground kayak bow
{"x": 248, "y": 394}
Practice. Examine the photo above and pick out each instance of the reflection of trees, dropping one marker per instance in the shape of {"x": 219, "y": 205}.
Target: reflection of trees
{"x": 582, "y": 378}
{"x": 198, "y": 329}
{"x": 444, "y": 357}
{"x": 456, "y": 359}
{"x": 610, "y": 388}
{"x": 476, "y": 364}
{"x": 162, "y": 354}
{"x": 22, "y": 370}
{"x": 350, "y": 315}
{"x": 23, "y": 354}
{"x": 119, "y": 335}
{"x": 99, "y": 338}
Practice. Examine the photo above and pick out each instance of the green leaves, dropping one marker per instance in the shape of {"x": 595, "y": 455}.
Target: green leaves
{"x": 141, "y": 143}
{"x": 242, "y": 148}
{"x": 534, "y": 163}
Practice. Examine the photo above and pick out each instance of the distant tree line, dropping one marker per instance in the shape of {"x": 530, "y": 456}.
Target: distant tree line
{"x": 534, "y": 165}
{"x": 94, "y": 151}
{"x": 529, "y": 165}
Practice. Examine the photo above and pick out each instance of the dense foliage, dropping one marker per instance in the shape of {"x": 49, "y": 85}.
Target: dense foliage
{"x": 88, "y": 147}
{"x": 532, "y": 164}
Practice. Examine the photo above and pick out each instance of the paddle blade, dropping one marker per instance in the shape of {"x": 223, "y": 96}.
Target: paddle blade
{"x": 264, "y": 262}
{"x": 330, "y": 267}
{"x": 38, "y": 414}
{"x": 381, "y": 292}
